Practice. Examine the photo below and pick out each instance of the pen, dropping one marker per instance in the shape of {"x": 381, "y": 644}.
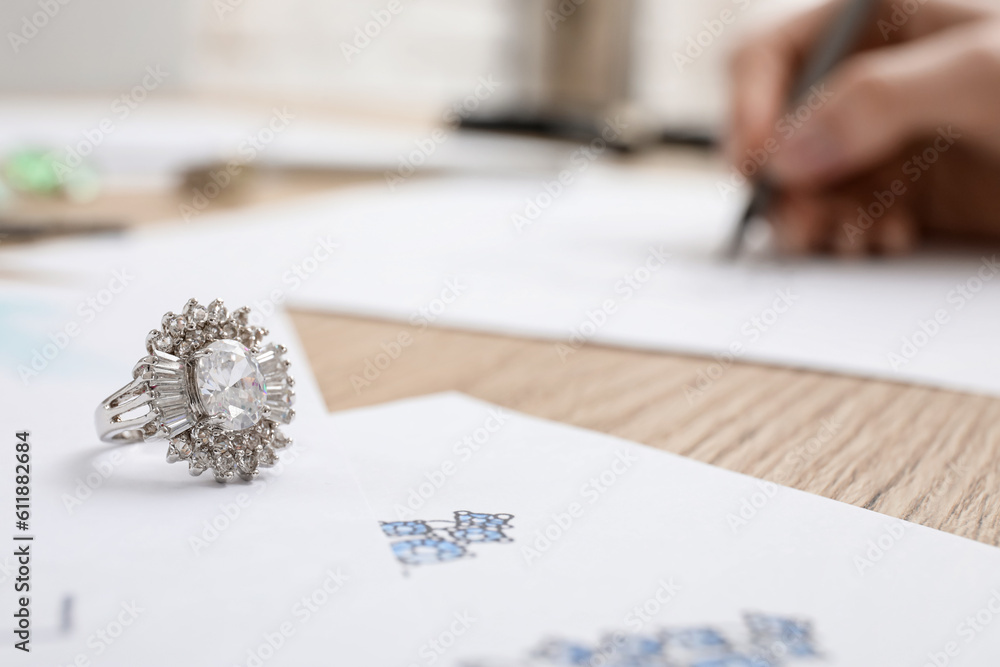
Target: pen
{"x": 839, "y": 40}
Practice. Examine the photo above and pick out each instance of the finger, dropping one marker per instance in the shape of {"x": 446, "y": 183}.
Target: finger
{"x": 900, "y": 22}
{"x": 958, "y": 194}
{"x": 849, "y": 239}
{"x": 761, "y": 70}
{"x": 801, "y": 224}
{"x": 860, "y": 205}
{"x": 759, "y": 89}
{"x": 880, "y": 100}
{"x": 896, "y": 233}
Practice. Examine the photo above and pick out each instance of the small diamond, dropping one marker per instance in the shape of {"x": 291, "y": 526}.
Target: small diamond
{"x": 176, "y": 325}
{"x": 202, "y": 436}
{"x": 151, "y": 339}
{"x": 200, "y": 462}
{"x": 247, "y": 466}
{"x": 265, "y": 431}
{"x": 246, "y": 444}
{"x": 197, "y": 338}
{"x": 229, "y": 330}
{"x": 184, "y": 348}
{"x": 184, "y": 449}
{"x": 267, "y": 457}
{"x": 164, "y": 343}
{"x": 224, "y": 463}
{"x": 216, "y": 312}
{"x": 197, "y": 315}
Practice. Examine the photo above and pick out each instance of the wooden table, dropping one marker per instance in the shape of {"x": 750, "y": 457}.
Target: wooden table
{"x": 925, "y": 455}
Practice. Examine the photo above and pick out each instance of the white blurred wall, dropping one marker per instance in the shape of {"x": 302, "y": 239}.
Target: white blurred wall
{"x": 693, "y": 93}
{"x": 87, "y": 45}
{"x": 429, "y": 53}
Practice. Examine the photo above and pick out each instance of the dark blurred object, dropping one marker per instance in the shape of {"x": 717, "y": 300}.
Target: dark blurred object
{"x": 564, "y": 129}
{"x": 25, "y": 230}
{"x": 222, "y": 181}
{"x": 575, "y": 62}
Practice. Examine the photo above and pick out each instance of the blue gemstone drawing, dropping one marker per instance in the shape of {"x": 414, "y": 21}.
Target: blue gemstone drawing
{"x": 405, "y": 528}
{"x": 767, "y": 641}
{"x": 794, "y": 636}
{"x": 427, "y": 551}
{"x": 441, "y": 541}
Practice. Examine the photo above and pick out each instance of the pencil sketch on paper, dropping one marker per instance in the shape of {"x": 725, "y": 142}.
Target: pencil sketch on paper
{"x": 764, "y": 641}
{"x": 422, "y": 542}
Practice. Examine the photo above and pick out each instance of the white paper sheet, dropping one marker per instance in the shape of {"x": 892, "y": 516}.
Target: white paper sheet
{"x": 448, "y": 252}
{"x": 134, "y": 562}
{"x": 604, "y": 536}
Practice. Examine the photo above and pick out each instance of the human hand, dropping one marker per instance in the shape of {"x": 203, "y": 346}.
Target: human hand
{"x": 902, "y": 139}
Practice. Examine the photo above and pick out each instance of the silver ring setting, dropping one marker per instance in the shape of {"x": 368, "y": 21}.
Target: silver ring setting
{"x": 212, "y": 388}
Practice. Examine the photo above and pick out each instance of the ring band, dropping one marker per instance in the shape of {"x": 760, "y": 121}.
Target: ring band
{"x": 110, "y": 418}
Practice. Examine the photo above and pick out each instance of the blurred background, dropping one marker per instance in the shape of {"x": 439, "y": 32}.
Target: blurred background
{"x": 156, "y": 93}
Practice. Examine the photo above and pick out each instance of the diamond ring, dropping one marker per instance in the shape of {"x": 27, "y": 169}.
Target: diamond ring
{"x": 211, "y": 389}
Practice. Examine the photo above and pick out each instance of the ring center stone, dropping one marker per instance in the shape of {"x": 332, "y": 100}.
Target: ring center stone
{"x": 230, "y": 384}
